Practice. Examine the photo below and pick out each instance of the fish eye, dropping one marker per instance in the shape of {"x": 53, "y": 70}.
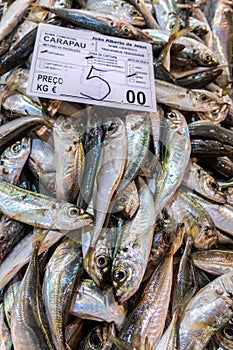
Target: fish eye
{"x": 228, "y": 332}
{"x": 16, "y": 147}
{"x": 213, "y": 185}
{"x": 119, "y": 275}
{"x": 126, "y": 30}
{"x": 216, "y": 111}
{"x": 95, "y": 341}
{"x": 204, "y": 97}
{"x": 207, "y": 58}
{"x": 73, "y": 212}
{"x": 134, "y": 12}
{"x": 171, "y": 115}
{"x": 112, "y": 127}
{"x": 101, "y": 261}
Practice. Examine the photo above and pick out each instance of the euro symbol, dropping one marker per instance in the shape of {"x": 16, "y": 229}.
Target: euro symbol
{"x": 54, "y": 89}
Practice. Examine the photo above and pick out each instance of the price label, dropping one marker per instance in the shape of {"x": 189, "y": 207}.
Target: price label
{"x": 88, "y": 67}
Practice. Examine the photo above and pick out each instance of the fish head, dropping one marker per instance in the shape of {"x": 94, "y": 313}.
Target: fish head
{"x": 208, "y": 99}
{"x": 130, "y": 32}
{"x": 126, "y": 203}
{"x": 207, "y": 59}
{"x": 224, "y": 337}
{"x": 175, "y": 118}
{"x": 98, "y": 339}
{"x": 217, "y": 115}
{"x": 135, "y": 17}
{"x": 204, "y": 235}
{"x": 13, "y": 160}
{"x": 98, "y": 265}
{"x": 68, "y": 217}
{"x": 18, "y": 151}
{"x": 211, "y": 187}
{"x": 126, "y": 273}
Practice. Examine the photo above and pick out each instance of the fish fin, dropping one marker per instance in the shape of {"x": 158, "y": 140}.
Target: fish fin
{"x": 148, "y": 346}
{"x": 34, "y": 19}
{"x": 39, "y": 235}
{"x": 175, "y": 34}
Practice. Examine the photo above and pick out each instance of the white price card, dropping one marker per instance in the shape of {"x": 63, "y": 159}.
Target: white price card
{"x": 88, "y": 67}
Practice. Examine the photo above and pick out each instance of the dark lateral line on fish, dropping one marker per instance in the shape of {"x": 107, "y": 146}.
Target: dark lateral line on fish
{"x": 131, "y": 75}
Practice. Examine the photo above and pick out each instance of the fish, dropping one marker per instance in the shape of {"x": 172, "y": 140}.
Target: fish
{"x": 39, "y": 210}
{"x": 138, "y": 136}
{"x": 194, "y": 50}
{"x": 13, "y": 160}
{"x": 132, "y": 248}
{"x": 222, "y": 214}
{"x": 214, "y": 261}
{"x": 175, "y": 137}
{"x": 187, "y": 100}
{"x": 12, "y": 16}
{"x": 124, "y": 11}
{"x": 73, "y": 333}
{"x": 99, "y": 265}
{"x": 18, "y": 128}
{"x": 110, "y": 169}
{"x": 200, "y": 79}
{"x": 102, "y": 23}
{"x": 223, "y": 338}
{"x": 114, "y": 215}
{"x": 198, "y": 221}
{"x": 97, "y": 338}
{"x": 200, "y": 181}
{"x": 208, "y": 311}
{"x": 20, "y": 255}
{"x": 29, "y": 326}
{"x": 9, "y": 297}
{"x": 147, "y": 15}
{"x": 69, "y": 159}
{"x": 41, "y": 163}
{"x": 62, "y": 274}
{"x": 222, "y": 40}
{"x": 91, "y": 302}
{"x": 145, "y": 324}
{"x": 185, "y": 282}
{"x": 92, "y": 150}
{"x": 126, "y": 203}
{"x": 208, "y": 130}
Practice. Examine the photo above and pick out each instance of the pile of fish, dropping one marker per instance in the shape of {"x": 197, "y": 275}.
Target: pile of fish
{"x": 116, "y": 226}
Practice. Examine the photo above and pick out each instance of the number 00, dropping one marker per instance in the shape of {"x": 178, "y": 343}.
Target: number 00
{"x": 131, "y": 97}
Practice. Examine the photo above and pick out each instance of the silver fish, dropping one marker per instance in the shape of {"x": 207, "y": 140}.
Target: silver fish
{"x": 63, "y": 271}
{"x": 206, "y": 313}
{"x": 91, "y": 302}
{"x": 13, "y": 159}
{"x": 199, "y": 180}
{"x": 29, "y": 327}
{"x": 12, "y": 16}
{"x": 175, "y": 138}
{"x": 38, "y": 210}
{"x": 133, "y": 248}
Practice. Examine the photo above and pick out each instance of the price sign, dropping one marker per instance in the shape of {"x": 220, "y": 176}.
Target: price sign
{"x": 88, "y": 67}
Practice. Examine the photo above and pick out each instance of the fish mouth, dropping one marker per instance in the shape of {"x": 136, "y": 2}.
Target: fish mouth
{"x": 121, "y": 295}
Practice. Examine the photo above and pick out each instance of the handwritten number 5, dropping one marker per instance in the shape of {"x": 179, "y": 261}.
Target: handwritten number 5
{"x": 102, "y": 83}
